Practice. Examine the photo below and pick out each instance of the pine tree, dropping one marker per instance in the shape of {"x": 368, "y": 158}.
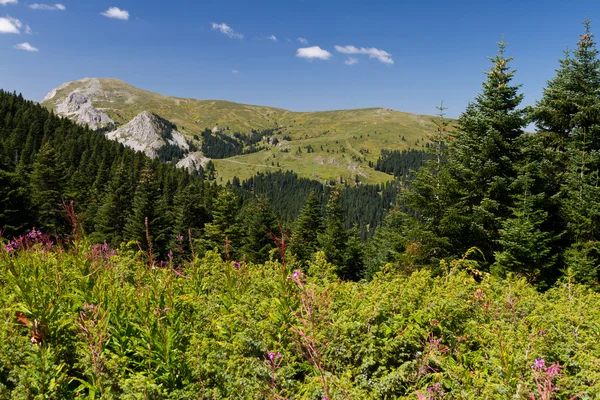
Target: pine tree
{"x": 15, "y": 215}
{"x": 257, "y": 221}
{"x": 190, "y": 210}
{"x": 47, "y": 182}
{"x": 568, "y": 120}
{"x": 223, "y": 232}
{"x": 307, "y": 228}
{"x": 570, "y": 106}
{"x": 138, "y": 227}
{"x": 482, "y": 162}
{"x": 112, "y": 216}
{"x": 525, "y": 248}
{"x": 334, "y": 238}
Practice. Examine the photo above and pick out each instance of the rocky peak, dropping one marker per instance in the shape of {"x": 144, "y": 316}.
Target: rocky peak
{"x": 148, "y": 132}
{"x": 78, "y": 105}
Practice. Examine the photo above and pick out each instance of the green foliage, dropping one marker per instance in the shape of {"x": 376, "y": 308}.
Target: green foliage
{"x": 86, "y": 321}
{"x": 309, "y": 224}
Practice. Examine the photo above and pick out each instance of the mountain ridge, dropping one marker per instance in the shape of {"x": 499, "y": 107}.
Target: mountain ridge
{"x": 322, "y": 145}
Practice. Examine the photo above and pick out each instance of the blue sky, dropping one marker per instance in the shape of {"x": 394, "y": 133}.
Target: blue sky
{"x": 194, "y": 48}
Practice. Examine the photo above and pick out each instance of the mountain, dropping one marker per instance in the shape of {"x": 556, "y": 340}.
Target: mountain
{"x": 323, "y": 145}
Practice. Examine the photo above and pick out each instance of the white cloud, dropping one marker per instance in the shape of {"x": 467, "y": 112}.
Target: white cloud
{"x": 372, "y": 52}
{"x": 10, "y": 25}
{"x": 116, "y": 13}
{"x": 351, "y": 61}
{"x": 28, "y": 30}
{"x": 226, "y": 29}
{"x": 26, "y": 47}
{"x": 50, "y": 7}
{"x": 302, "y": 40}
{"x": 272, "y": 37}
{"x": 235, "y": 71}
{"x": 313, "y": 52}
{"x": 5, "y": 2}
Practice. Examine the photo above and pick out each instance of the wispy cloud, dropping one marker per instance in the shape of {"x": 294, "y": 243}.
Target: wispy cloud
{"x": 372, "y": 52}
{"x": 26, "y": 47}
{"x": 116, "y": 13}
{"x": 313, "y": 52}
{"x": 272, "y": 37}
{"x": 28, "y": 30}
{"x": 5, "y": 2}
{"x": 235, "y": 71}
{"x": 226, "y": 30}
{"x": 10, "y": 25}
{"x": 302, "y": 40}
{"x": 49, "y": 7}
{"x": 351, "y": 61}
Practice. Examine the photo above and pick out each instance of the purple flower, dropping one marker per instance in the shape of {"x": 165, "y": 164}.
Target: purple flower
{"x": 436, "y": 388}
{"x": 271, "y": 355}
{"x": 170, "y": 255}
{"x": 9, "y": 247}
{"x": 538, "y": 364}
{"x": 237, "y": 265}
{"x": 179, "y": 238}
{"x": 553, "y": 370}
{"x": 278, "y": 355}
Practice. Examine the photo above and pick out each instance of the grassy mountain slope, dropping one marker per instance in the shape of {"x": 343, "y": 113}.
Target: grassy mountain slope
{"x": 343, "y": 141}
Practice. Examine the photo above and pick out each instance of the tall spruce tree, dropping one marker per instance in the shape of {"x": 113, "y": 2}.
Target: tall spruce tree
{"x": 482, "y": 162}
{"x": 257, "y": 221}
{"x": 15, "y": 213}
{"x": 568, "y": 122}
{"x": 223, "y": 232}
{"x": 307, "y": 228}
{"x": 334, "y": 238}
{"x": 47, "y": 182}
{"x": 139, "y": 223}
{"x": 111, "y": 217}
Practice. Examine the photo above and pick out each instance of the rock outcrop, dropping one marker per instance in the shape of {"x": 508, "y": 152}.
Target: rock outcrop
{"x": 78, "y": 107}
{"x": 148, "y": 133}
{"x": 192, "y": 161}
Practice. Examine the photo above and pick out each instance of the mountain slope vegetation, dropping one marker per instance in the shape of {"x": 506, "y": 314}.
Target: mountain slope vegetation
{"x": 318, "y": 145}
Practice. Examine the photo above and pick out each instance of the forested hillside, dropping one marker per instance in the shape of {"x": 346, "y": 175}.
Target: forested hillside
{"x": 49, "y": 164}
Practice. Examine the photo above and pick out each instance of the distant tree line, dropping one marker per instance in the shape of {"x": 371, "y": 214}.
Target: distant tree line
{"x": 401, "y": 164}
{"x": 363, "y": 206}
{"x": 219, "y": 145}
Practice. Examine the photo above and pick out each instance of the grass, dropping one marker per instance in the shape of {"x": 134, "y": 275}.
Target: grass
{"x": 361, "y": 132}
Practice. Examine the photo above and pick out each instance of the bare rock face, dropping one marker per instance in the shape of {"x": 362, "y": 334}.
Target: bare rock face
{"x": 192, "y": 161}
{"x": 78, "y": 106}
{"x": 148, "y": 133}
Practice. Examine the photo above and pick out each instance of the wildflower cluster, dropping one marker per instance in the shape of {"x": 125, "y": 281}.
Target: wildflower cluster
{"x": 28, "y": 240}
{"x": 101, "y": 251}
{"x": 544, "y": 377}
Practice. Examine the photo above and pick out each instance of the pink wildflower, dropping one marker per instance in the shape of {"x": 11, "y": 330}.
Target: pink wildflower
{"x": 538, "y": 364}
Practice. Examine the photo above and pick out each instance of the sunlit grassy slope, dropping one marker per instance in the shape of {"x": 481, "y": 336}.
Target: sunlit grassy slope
{"x": 335, "y": 136}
